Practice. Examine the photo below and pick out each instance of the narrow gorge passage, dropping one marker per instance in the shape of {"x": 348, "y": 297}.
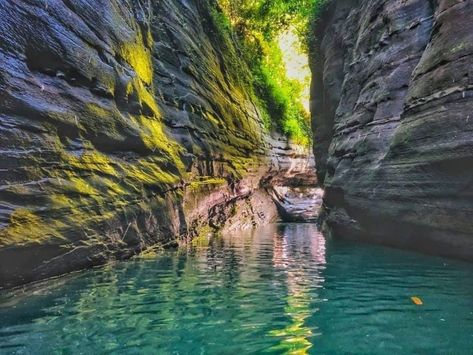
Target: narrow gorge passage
{"x": 134, "y": 127}
{"x": 236, "y": 176}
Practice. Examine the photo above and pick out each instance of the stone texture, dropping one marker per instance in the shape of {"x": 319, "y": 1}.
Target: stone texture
{"x": 392, "y": 105}
{"x": 123, "y": 124}
{"x": 292, "y": 182}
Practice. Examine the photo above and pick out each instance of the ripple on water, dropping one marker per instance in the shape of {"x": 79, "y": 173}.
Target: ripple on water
{"x": 280, "y": 289}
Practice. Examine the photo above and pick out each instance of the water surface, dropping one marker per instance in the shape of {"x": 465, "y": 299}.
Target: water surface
{"x": 280, "y": 289}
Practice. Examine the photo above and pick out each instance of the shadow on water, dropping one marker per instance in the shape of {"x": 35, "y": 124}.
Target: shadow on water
{"x": 279, "y": 289}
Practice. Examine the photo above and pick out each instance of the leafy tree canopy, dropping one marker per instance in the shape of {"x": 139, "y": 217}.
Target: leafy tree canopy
{"x": 270, "y": 17}
{"x": 257, "y": 25}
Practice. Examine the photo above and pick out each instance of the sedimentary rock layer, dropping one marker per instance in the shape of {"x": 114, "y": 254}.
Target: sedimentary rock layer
{"x": 393, "y": 120}
{"x": 123, "y": 124}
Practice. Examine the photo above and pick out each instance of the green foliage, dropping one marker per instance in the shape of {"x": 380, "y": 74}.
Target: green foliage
{"x": 256, "y": 25}
{"x": 270, "y": 17}
{"x": 221, "y": 21}
{"x": 280, "y": 95}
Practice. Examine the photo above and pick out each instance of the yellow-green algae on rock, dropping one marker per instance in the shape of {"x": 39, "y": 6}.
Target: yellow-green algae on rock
{"x": 129, "y": 126}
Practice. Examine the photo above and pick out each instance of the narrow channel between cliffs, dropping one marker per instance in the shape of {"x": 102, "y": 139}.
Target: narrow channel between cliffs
{"x": 127, "y": 127}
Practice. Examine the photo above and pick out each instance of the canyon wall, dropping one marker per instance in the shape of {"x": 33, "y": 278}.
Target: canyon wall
{"x": 124, "y": 124}
{"x": 392, "y": 105}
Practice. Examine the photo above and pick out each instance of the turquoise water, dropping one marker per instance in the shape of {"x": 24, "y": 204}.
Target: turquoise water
{"x": 279, "y": 289}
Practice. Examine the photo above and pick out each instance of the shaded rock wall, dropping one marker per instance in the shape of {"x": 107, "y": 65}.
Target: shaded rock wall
{"x": 392, "y": 115}
{"x": 123, "y": 124}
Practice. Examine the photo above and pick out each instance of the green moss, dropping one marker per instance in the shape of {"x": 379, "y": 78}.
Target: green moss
{"x": 242, "y": 166}
{"x": 204, "y": 181}
{"x": 81, "y": 193}
{"x": 233, "y": 210}
{"x": 203, "y": 236}
{"x": 149, "y": 173}
{"x": 151, "y": 252}
{"x": 156, "y": 140}
{"x": 91, "y": 161}
{"x": 77, "y": 185}
{"x": 139, "y": 57}
{"x": 26, "y": 227}
{"x": 85, "y": 192}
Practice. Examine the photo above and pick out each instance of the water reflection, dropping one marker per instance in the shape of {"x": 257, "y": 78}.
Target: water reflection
{"x": 302, "y": 257}
{"x": 279, "y": 289}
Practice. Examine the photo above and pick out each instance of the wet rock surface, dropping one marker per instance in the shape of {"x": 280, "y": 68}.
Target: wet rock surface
{"x": 123, "y": 124}
{"x": 392, "y": 105}
{"x": 298, "y": 204}
{"x": 292, "y": 182}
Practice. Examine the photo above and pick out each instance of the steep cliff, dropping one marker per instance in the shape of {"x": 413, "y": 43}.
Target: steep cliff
{"x": 392, "y": 114}
{"x": 123, "y": 124}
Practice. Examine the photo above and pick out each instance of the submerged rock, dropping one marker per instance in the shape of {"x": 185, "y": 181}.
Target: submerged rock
{"x": 392, "y": 100}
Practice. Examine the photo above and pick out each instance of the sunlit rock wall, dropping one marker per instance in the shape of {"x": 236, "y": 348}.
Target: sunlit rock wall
{"x": 393, "y": 121}
{"x": 122, "y": 124}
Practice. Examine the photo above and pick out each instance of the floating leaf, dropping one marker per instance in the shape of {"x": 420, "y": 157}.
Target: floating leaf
{"x": 417, "y": 301}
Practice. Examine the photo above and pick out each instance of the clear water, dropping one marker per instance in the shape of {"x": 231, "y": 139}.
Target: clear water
{"x": 281, "y": 289}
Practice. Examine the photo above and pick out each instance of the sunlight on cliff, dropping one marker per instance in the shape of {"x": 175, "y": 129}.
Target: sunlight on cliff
{"x": 296, "y": 63}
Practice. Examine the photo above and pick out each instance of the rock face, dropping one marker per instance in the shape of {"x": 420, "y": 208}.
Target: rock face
{"x": 123, "y": 124}
{"x": 393, "y": 121}
{"x": 293, "y": 183}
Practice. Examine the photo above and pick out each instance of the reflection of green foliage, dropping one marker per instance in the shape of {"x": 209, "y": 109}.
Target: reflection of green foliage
{"x": 257, "y": 24}
{"x": 295, "y": 336}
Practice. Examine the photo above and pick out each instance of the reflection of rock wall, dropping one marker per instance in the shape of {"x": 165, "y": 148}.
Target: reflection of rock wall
{"x": 123, "y": 124}
{"x": 392, "y": 102}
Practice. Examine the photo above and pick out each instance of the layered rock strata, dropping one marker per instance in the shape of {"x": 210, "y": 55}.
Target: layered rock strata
{"x": 392, "y": 107}
{"x": 123, "y": 125}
